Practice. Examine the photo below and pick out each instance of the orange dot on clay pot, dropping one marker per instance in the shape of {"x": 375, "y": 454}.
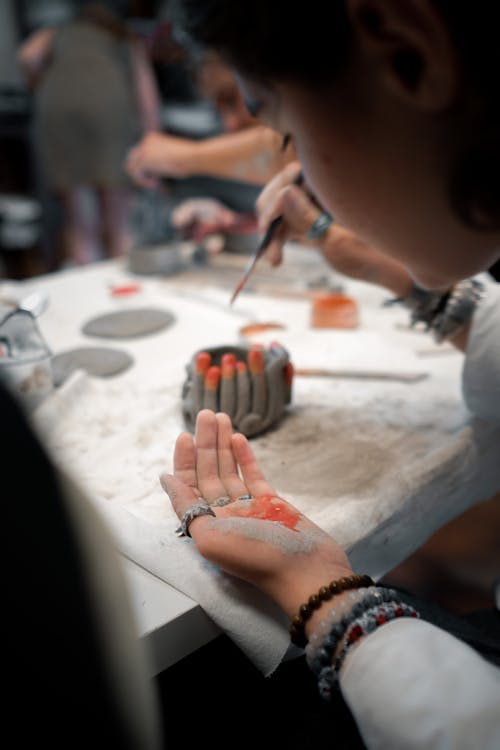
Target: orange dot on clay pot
{"x": 334, "y": 310}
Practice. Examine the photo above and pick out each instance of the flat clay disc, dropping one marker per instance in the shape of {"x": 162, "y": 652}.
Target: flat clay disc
{"x": 98, "y": 360}
{"x": 128, "y": 323}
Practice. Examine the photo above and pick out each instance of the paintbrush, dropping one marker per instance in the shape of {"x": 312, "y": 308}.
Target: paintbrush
{"x": 261, "y": 249}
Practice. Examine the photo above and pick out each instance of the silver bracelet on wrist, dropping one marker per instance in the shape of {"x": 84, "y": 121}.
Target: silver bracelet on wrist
{"x": 445, "y": 314}
{"x": 459, "y": 309}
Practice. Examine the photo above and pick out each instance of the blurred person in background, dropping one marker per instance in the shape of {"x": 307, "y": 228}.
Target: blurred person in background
{"x": 95, "y": 93}
{"x": 246, "y": 151}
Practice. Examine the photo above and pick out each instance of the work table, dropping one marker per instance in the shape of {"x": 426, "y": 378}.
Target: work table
{"x": 381, "y": 464}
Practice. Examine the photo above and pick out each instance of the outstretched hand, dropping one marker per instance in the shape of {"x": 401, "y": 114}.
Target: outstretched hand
{"x": 262, "y": 539}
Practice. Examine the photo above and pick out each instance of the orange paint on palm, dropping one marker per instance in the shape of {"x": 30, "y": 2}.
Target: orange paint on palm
{"x": 268, "y": 508}
{"x": 228, "y": 363}
{"x": 256, "y": 361}
{"x": 212, "y": 378}
{"x": 203, "y": 362}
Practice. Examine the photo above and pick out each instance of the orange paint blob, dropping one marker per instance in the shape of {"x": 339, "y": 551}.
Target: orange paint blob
{"x": 124, "y": 290}
{"x": 268, "y": 508}
{"x": 253, "y": 329}
{"x": 241, "y": 367}
{"x": 334, "y": 311}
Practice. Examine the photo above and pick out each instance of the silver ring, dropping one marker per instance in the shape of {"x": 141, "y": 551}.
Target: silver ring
{"x": 196, "y": 510}
{"x": 320, "y": 226}
{"x": 223, "y": 500}
{"x": 245, "y": 497}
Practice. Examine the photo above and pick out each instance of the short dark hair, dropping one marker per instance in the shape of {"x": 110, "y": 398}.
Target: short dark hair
{"x": 269, "y": 40}
{"x": 265, "y": 38}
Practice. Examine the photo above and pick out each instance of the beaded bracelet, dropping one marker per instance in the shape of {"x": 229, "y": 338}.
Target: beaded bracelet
{"x": 325, "y": 593}
{"x": 443, "y": 313}
{"x": 323, "y": 655}
{"x": 334, "y": 616}
{"x": 368, "y": 622}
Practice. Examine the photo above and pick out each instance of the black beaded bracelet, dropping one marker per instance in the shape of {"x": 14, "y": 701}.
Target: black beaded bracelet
{"x": 325, "y": 593}
{"x": 370, "y": 620}
{"x": 323, "y": 655}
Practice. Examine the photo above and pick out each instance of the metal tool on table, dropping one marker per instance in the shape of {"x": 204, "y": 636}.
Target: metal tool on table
{"x": 404, "y": 377}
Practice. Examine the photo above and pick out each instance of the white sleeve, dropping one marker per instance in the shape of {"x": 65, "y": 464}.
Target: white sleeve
{"x": 411, "y": 685}
{"x": 481, "y": 372}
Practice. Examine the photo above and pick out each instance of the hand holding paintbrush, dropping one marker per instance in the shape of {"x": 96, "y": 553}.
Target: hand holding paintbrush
{"x": 317, "y": 228}
{"x": 261, "y": 249}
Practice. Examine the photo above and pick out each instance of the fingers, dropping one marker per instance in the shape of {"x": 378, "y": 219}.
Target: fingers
{"x": 204, "y": 210}
{"x": 137, "y": 170}
{"x": 251, "y": 474}
{"x": 185, "y": 461}
{"x": 183, "y": 498}
{"x": 266, "y": 202}
{"x": 228, "y": 468}
{"x": 299, "y": 209}
{"x": 208, "y": 464}
{"x": 207, "y": 460}
{"x": 282, "y": 196}
{"x": 274, "y": 252}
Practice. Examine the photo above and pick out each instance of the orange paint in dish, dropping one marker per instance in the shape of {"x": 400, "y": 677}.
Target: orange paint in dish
{"x": 334, "y": 310}
{"x": 255, "y": 328}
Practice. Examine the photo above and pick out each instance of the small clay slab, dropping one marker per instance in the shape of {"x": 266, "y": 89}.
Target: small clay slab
{"x": 132, "y": 323}
{"x": 98, "y": 360}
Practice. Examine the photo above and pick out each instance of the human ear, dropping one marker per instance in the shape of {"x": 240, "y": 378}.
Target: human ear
{"x": 409, "y": 44}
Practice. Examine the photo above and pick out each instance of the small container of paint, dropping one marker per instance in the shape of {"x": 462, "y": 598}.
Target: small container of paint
{"x": 334, "y": 310}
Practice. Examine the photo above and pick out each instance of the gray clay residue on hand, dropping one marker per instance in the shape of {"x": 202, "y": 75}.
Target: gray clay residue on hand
{"x": 271, "y": 532}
